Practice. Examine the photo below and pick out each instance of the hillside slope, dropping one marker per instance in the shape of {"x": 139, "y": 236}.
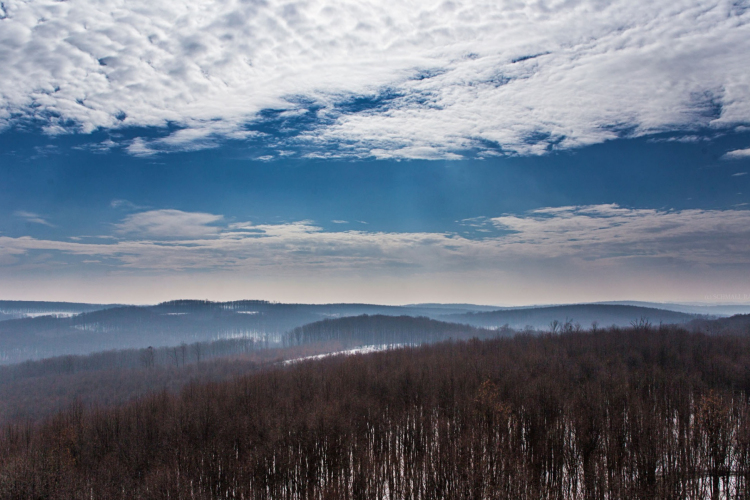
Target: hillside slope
{"x": 618, "y": 414}
{"x": 380, "y": 329}
{"x": 584, "y": 314}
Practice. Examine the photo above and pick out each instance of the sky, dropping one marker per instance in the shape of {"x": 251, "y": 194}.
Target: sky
{"x": 506, "y": 152}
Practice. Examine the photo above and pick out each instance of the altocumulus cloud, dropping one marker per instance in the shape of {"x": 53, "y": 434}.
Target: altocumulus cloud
{"x": 429, "y": 79}
{"x": 605, "y": 234}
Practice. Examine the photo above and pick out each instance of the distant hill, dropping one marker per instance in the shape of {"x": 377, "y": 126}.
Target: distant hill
{"x": 703, "y": 309}
{"x": 60, "y": 328}
{"x": 14, "y": 309}
{"x": 136, "y": 327}
{"x": 380, "y": 329}
{"x": 583, "y": 314}
{"x": 98, "y": 328}
{"x": 453, "y": 308}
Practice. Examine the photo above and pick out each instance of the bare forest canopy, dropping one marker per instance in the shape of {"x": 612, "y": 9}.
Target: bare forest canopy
{"x": 86, "y": 328}
{"x": 647, "y": 412}
{"x": 734, "y": 325}
{"x": 33, "y": 390}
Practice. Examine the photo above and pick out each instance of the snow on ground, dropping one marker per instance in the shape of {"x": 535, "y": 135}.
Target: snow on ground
{"x": 37, "y": 314}
{"x": 358, "y": 350}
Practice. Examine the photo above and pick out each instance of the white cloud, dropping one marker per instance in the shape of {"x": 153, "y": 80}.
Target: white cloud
{"x": 612, "y": 232}
{"x": 125, "y": 204}
{"x": 737, "y": 154}
{"x": 32, "y": 217}
{"x": 443, "y": 77}
{"x": 139, "y": 147}
{"x": 169, "y": 224}
{"x": 589, "y": 237}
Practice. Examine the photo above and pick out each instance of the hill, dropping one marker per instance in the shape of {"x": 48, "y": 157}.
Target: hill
{"x": 702, "y": 309}
{"x": 15, "y": 309}
{"x": 169, "y": 324}
{"x": 33, "y": 390}
{"x": 583, "y": 314}
{"x": 189, "y": 321}
{"x": 380, "y": 329}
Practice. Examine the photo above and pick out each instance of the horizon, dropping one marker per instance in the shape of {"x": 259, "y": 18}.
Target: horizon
{"x": 637, "y": 303}
{"x": 510, "y": 153}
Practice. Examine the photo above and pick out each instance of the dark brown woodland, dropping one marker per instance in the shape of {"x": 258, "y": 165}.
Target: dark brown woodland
{"x": 637, "y": 413}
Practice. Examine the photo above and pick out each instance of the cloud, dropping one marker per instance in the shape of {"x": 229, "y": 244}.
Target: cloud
{"x": 169, "y": 224}
{"x": 612, "y": 232}
{"x": 125, "y": 204}
{"x": 739, "y": 174}
{"x": 32, "y": 217}
{"x": 424, "y": 80}
{"x": 590, "y": 238}
{"x": 98, "y": 147}
{"x": 204, "y": 136}
{"x": 139, "y": 147}
{"x": 737, "y": 154}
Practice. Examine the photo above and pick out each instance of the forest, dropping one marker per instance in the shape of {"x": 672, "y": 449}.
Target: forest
{"x": 388, "y": 330}
{"x": 38, "y": 330}
{"x": 35, "y": 389}
{"x": 639, "y": 412}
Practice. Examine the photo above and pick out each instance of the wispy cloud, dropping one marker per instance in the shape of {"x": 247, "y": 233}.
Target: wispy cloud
{"x": 99, "y": 147}
{"x": 424, "y": 80}
{"x": 737, "y": 154}
{"x": 125, "y": 204}
{"x": 595, "y": 237}
{"x": 32, "y": 217}
{"x": 613, "y": 232}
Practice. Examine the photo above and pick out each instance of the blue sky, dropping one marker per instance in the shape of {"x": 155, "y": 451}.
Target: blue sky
{"x": 498, "y": 153}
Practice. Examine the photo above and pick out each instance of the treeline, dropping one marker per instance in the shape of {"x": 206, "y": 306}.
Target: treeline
{"x": 380, "y": 329}
{"x": 640, "y": 413}
{"x": 738, "y": 324}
